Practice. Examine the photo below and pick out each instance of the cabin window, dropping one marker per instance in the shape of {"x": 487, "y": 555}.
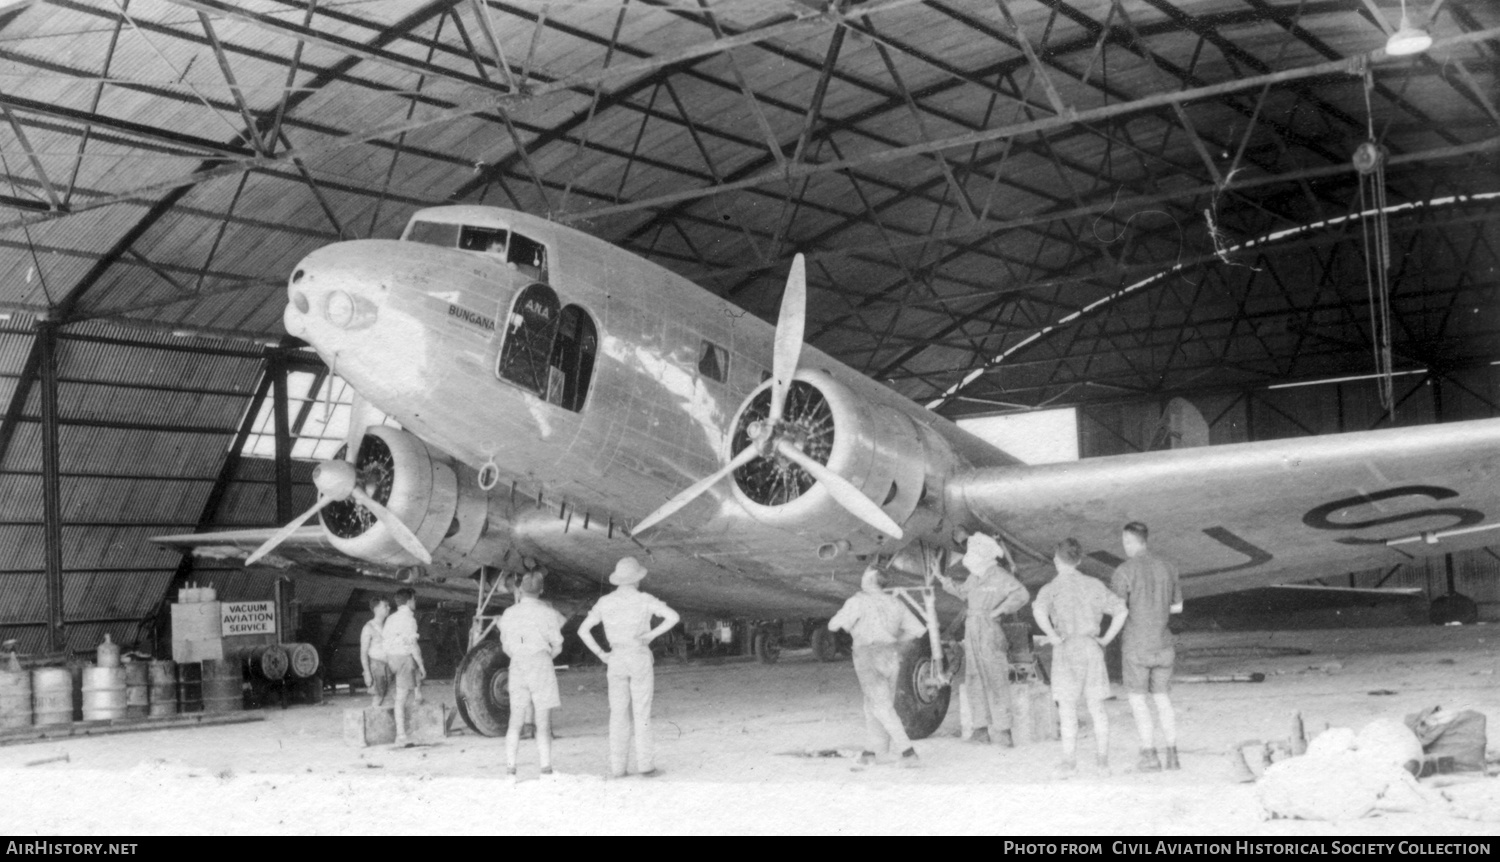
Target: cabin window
{"x": 572, "y": 362}
{"x": 483, "y": 239}
{"x": 713, "y": 361}
{"x": 528, "y": 338}
{"x": 433, "y": 233}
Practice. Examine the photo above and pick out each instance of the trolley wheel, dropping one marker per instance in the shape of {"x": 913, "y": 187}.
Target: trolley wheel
{"x": 479, "y": 689}
{"x": 825, "y": 644}
{"x": 768, "y": 646}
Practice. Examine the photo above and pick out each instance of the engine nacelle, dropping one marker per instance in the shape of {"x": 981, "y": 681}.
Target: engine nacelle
{"x": 880, "y": 450}
{"x": 439, "y": 501}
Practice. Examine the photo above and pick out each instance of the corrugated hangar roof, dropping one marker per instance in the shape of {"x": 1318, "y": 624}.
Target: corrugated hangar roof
{"x": 1005, "y": 203}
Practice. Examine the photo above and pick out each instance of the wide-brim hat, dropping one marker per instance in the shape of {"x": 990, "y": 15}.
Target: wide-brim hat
{"x": 627, "y": 571}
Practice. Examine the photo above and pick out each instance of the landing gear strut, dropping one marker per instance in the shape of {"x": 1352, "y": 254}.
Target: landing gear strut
{"x": 480, "y": 692}
{"x": 924, "y": 683}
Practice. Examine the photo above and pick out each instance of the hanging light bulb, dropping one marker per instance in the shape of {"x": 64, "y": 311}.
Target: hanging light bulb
{"x": 1407, "y": 39}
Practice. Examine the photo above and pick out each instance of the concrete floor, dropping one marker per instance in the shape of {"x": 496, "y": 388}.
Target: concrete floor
{"x": 732, "y": 732}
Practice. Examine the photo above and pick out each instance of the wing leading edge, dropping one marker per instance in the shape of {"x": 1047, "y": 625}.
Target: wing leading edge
{"x": 1246, "y": 515}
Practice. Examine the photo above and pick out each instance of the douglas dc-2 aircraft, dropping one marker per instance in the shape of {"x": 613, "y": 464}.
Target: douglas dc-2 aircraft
{"x": 565, "y": 403}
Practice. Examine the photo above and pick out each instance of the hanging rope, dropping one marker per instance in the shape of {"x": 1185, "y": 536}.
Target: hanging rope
{"x": 1374, "y": 223}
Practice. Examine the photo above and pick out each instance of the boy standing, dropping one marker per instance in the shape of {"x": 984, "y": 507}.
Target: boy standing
{"x": 531, "y": 634}
{"x": 372, "y": 656}
{"x": 1068, "y": 610}
{"x": 404, "y": 657}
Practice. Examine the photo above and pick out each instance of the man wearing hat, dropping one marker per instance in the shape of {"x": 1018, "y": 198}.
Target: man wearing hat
{"x": 878, "y": 623}
{"x": 531, "y": 634}
{"x": 990, "y": 591}
{"x": 626, "y": 614}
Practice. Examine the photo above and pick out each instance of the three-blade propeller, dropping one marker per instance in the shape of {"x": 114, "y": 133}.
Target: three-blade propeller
{"x": 338, "y": 481}
{"x": 766, "y": 436}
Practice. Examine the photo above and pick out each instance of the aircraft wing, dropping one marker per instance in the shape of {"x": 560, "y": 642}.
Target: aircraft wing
{"x": 308, "y": 546}
{"x": 310, "y": 553}
{"x": 1238, "y": 516}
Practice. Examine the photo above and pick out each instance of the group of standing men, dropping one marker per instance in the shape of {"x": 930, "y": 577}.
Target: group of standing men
{"x": 531, "y": 635}
{"x": 1143, "y": 592}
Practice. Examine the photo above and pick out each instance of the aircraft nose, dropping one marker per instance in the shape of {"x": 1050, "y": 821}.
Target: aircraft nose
{"x": 336, "y": 289}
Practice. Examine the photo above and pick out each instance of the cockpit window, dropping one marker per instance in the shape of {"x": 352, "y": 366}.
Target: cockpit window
{"x": 433, "y": 233}
{"x": 529, "y": 256}
{"x": 528, "y": 338}
{"x": 482, "y": 239}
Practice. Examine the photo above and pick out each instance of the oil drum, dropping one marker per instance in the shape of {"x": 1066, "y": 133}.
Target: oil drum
{"x": 103, "y": 693}
{"x": 52, "y": 695}
{"x": 223, "y": 684}
{"x": 190, "y": 687}
{"x": 15, "y": 698}
{"x": 162, "y": 694}
{"x": 137, "y": 689}
{"x": 303, "y": 660}
{"x": 270, "y": 662}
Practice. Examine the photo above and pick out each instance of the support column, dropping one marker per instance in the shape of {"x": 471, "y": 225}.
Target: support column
{"x": 283, "y": 428}
{"x": 57, "y": 636}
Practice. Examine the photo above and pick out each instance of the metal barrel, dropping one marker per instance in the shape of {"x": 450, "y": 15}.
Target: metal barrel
{"x": 269, "y": 662}
{"x": 137, "y": 689}
{"x": 103, "y": 693}
{"x": 304, "y": 660}
{"x": 162, "y": 693}
{"x": 15, "y": 698}
{"x": 190, "y": 687}
{"x": 52, "y": 695}
{"x": 223, "y": 684}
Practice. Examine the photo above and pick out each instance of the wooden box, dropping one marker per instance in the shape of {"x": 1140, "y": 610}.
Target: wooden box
{"x": 425, "y": 724}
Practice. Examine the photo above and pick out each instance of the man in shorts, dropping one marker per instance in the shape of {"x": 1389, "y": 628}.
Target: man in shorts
{"x": 531, "y": 634}
{"x": 372, "y": 651}
{"x": 1068, "y": 609}
{"x": 405, "y": 657}
{"x": 1150, "y": 588}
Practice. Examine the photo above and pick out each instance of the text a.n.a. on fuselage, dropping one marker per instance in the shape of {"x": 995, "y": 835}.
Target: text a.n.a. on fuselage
{"x": 593, "y": 378}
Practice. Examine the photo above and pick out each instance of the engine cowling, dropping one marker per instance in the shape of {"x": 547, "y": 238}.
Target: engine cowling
{"x": 880, "y": 450}
{"x": 439, "y": 501}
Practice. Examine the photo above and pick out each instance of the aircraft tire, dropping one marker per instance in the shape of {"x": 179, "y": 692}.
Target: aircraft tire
{"x": 1453, "y": 608}
{"x": 479, "y": 689}
{"x": 922, "y": 709}
{"x": 768, "y": 647}
{"x": 825, "y": 644}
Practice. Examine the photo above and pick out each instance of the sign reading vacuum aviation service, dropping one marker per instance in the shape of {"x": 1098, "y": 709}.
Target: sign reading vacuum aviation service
{"x": 248, "y": 618}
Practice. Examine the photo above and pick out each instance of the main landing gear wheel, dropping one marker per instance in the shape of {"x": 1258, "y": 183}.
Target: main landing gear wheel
{"x": 480, "y": 692}
{"x": 1453, "y": 608}
{"x": 920, "y": 701}
{"x": 825, "y": 644}
{"x": 768, "y": 647}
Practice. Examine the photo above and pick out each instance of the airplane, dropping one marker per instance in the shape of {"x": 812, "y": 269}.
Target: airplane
{"x": 565, "y": 403}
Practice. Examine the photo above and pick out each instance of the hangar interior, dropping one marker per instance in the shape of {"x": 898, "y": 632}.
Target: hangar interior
{"x": 1006, "y": 206}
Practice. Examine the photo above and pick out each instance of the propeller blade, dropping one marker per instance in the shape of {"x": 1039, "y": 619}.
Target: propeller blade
{"x": 399, "y": 530}
{"x": 789, "y": 329}
{"x": 286, "y": 532}
{"x": 846, "y": 494}
{"x": 361, "y": 416}
{"x": 669, "y": 508}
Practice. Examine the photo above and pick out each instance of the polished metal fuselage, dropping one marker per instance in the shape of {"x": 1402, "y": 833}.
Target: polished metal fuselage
{"x": 423, "y": 343}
